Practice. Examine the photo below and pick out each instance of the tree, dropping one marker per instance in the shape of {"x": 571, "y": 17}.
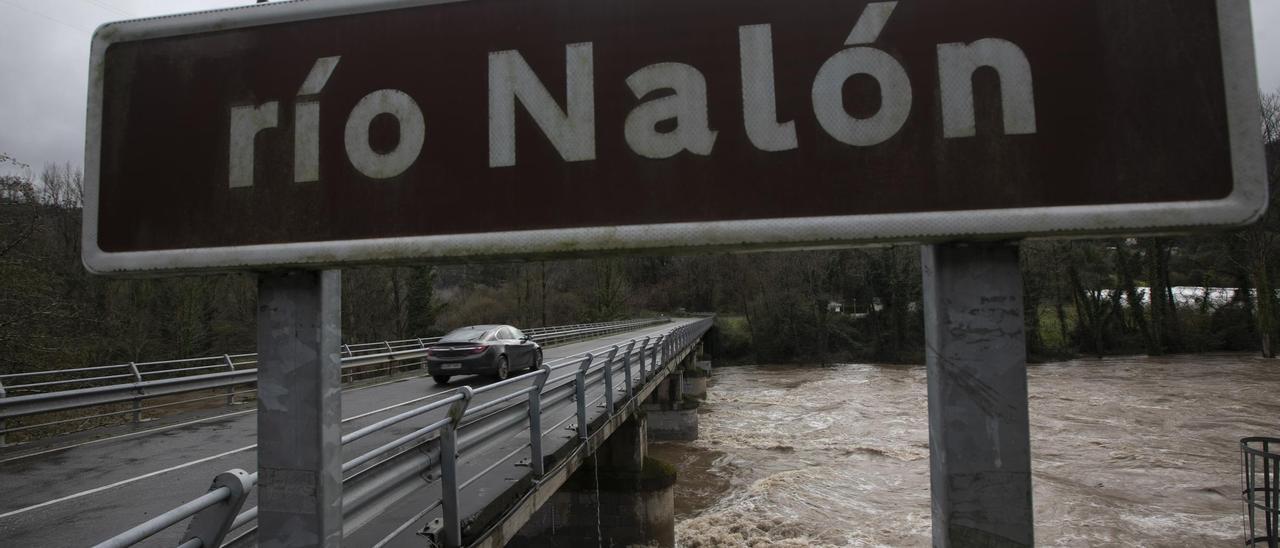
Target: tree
{"x": 1259, "y": 241}
{"x": 609, "y": 290}
{"x": 422, "y": 302}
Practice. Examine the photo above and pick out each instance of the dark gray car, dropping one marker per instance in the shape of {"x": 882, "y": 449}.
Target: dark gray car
{"x": 494, "y": 350}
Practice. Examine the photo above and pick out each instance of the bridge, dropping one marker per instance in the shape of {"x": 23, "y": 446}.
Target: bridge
{"x": 467, "y": 464}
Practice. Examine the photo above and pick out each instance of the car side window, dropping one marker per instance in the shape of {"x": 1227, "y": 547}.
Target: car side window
{"x": 516, "y": 334}
{"x": 493, "y": 335}
{"x": 505, "y": 333}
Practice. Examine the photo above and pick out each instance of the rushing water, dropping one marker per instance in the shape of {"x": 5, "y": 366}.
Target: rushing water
{"x": 1126, "y": 451}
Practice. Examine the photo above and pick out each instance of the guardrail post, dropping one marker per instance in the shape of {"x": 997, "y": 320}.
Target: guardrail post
{"x": 4, "y": 428}
{"x": 648, "y": 353}
{"x": 659, "y": 348}
{"x": 643, "y": 344}
{"x": 137, "y": 400}
{"x": 653, "y": 365}
{"x": 449, "y": 470}
{"x": 231, "y": 390}
{"x": 535, "y": 422}
{"x": 626, "y": 365}
{"x": 664, "y": 352}
{"x": 608, "y": 380}
{"x": 580, "y": 389}
{"x": 212, "y": 524}
{"x": 346, "y": 349}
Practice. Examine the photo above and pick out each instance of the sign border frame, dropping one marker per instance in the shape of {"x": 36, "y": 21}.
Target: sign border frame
{"x": 1246, "y": 203}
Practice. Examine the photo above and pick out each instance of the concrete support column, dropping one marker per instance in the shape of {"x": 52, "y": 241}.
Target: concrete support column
{"x": 618, "y": 497}
{"x": 627, "y": 448}
{"x": 695, "y": 380}
{"x": 670, "y": 418}
{"x": 299, "y": 409}
{"x": 675, "y": 386}
{"x": 979, "y": 434}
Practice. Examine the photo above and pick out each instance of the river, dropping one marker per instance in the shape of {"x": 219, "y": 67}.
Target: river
{"x": 1126, "y": 451}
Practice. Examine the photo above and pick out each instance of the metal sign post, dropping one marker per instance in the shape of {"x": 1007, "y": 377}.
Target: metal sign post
{"x": 979, "y": 433}
{"x": 299, "y": 408}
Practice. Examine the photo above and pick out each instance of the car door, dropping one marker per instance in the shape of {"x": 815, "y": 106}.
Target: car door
{"x": 515, "y": 352}
{"x": 527, "y": 347}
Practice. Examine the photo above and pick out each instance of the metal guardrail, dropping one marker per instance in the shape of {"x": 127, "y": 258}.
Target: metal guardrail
{"x": 171, "y": 377}
{"x": 1260, "y": 479}
{"x": 377, "y": 479}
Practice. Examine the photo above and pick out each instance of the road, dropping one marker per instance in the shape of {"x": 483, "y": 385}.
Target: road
{"x": 84, "y": 493}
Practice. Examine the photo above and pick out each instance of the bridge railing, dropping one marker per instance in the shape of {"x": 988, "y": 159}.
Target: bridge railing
{"x": 230, "y": 375}
{"x": 457, "y": 426}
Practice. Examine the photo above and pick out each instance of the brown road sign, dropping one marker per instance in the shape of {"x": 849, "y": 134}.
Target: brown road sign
{"x": 334, "y": 132}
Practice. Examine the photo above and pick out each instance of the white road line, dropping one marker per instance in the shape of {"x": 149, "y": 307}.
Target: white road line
{"x": 184, "y": 465}
{"x": 197, "y": 421}
{"x": 125, "y": 482}
{"x": 125, "y": 436}
{"x": 401, "y": 404}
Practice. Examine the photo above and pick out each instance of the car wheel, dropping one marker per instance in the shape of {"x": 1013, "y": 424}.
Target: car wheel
{"x": 501, "y": 373}
{"x": 441, "y": 379}
{"x": 537, "y": 359}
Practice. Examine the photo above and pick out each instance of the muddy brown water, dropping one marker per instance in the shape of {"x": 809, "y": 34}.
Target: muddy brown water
{"x": 1133, "y": 451}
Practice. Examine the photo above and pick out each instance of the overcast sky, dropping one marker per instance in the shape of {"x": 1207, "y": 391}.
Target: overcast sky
{"x": 44, "y": 58}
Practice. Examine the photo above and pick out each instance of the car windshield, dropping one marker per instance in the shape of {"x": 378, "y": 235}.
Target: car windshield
{"x": 466, "y": 334}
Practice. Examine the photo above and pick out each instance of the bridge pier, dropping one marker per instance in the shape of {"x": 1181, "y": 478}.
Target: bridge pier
{"x": 672, "y": 415}
{"x": 696, "y": 379}
{"x": 619, "y": 497}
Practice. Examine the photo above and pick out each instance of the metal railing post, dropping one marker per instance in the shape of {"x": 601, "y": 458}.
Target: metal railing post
{"x": 346, "y": 349}
{"x": 653, "y": 361}
{"x": 4, "y": 428}
{"x": 535, "y": 422}
{"x": 626, "y": 365}
{"x": 608, "y": 380}
{"x": 643, "y": 344}
{"x": 580, "y": 388}
{"x": 231, "y": 390}
{"x": 211, "y": 525}
{"x": 449, "y": 470}
{"x": 662, "y": 351}
{"x": 657, "y": 352}
{"x": 137, "y": 400}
